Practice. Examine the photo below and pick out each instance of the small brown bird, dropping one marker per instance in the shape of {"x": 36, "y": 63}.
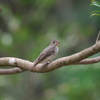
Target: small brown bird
{"x": 48, "y": 53}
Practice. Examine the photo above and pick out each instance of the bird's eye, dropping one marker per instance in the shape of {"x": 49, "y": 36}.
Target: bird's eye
{"x": 53, "y": 41}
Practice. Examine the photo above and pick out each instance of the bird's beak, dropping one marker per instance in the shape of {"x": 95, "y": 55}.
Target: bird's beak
{"x": 58, "y": 43}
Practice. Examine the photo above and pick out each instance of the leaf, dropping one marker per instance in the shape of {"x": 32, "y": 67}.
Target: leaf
{"x": 95, "y": 3}
{"x": 95, "y": 14}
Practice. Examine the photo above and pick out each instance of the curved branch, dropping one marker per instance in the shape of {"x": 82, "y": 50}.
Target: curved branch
{"x": 42, "y": 68}
{"x": 89, "y": 61}
{"x": 18, "y": 70}
{"x": 10, "y": 71}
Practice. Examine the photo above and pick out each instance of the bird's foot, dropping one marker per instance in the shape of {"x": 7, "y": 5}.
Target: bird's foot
{"x": 48, "y": 62}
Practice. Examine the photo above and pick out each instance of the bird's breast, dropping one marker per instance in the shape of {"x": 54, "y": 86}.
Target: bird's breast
{"x": 56, "y": 50}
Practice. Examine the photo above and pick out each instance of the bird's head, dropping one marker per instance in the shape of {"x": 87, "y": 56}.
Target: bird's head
{"x": 55, "y": 43}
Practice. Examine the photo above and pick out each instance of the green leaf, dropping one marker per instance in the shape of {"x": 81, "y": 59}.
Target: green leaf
{"x": 95, "y": 3}
{"x": 95, "y": 14}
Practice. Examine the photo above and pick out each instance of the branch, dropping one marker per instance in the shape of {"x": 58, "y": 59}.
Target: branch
{"x": 10, "y": 71}
{"x": 42, "y": 68}
{"x": 88, "y": 61}
{"x": 18, "y": 70}
{"x": 98, "y": 37}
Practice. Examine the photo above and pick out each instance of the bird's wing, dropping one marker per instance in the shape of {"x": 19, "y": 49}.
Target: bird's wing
{"x": 43, "y": 56}
{"x": 46, "y": 53}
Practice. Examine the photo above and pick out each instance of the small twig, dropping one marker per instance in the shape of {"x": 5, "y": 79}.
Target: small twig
{"x": 98, "y": 37}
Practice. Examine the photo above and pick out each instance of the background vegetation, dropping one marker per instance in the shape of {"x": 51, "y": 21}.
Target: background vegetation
{"x": 27, "y": 27}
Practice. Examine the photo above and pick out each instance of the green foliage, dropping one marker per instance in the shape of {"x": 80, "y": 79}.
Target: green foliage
{"x": 97, "y": 4}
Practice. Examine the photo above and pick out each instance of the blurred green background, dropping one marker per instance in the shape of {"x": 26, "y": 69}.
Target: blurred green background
{"x": 27, "y": 27}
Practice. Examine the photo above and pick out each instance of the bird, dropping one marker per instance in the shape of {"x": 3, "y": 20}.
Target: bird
{"x": 47, "y": 54}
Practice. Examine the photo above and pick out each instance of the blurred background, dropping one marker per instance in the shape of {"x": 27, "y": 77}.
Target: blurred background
{"x": 27, "y": 27}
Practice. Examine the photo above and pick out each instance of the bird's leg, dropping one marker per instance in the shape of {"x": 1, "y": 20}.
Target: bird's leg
{"x": 48, "y": 62}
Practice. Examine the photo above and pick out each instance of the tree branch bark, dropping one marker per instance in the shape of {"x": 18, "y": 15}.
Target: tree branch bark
{"x": 10, "y": 71}
{"x": 42, "y": 68}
